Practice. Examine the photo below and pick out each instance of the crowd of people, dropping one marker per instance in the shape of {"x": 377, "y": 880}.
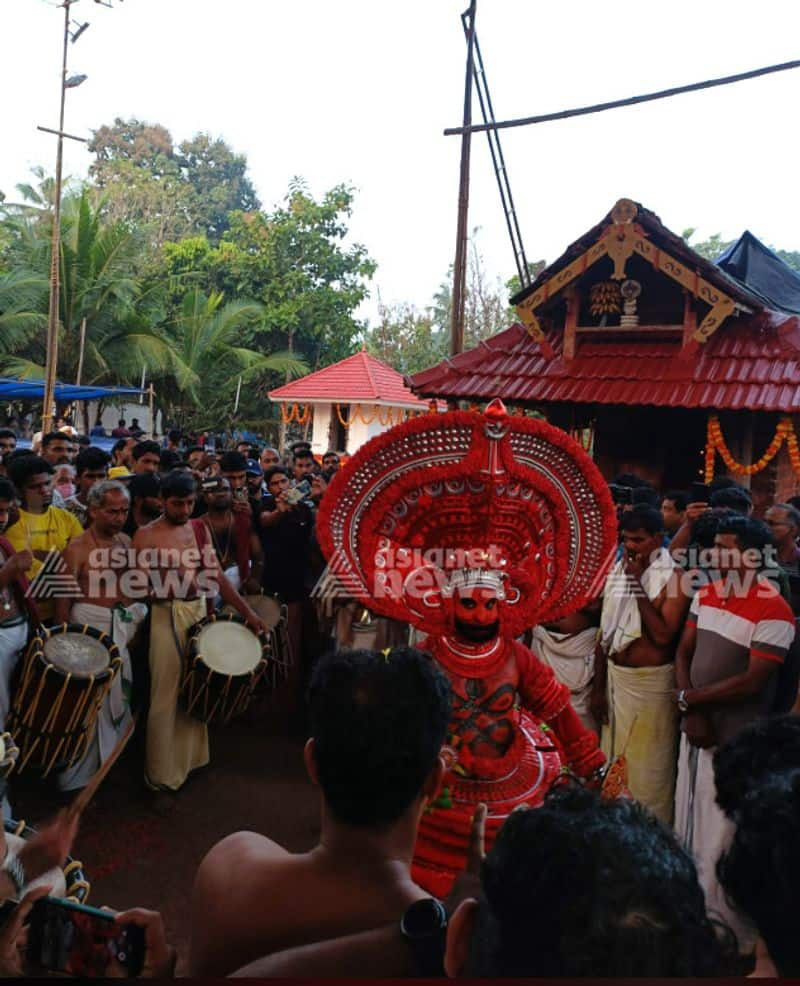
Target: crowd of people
{"x": 686, "y": 666}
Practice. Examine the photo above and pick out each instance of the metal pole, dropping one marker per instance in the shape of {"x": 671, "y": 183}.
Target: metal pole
{"x": 460, "y": 264}
{"x": 51, "y": 364}
{"x": 151, "y": 394}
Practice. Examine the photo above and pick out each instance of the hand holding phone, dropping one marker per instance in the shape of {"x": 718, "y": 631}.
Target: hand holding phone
{"x": 82, "y": 941}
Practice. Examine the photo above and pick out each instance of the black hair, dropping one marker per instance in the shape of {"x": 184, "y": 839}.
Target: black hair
{"x": 760, "y": 871}
{"x": 119, "y": 445}
{"x": 678, "y": 497}
{"x": 144, "y": 448}
{"x": 121, "y": 423}
{"x": 23, "y": 468}
{"x": 630, "y": 479}
{"x": 642, "y": 518}
{"x": 18, "y": 453}
{"x": 193, "y": 448}
{"x": 8, "y": 433}
{"x": 704, "y": 529}
{"x": 274, "y": 471}
{"x": 178, "y": 483}
{"x": 723, "y": 483}
{"x": 54, "y": 436}
{"x": 761, "y": 748}
{"x": 7, "y": 491}
{"x": 646, "y": 496}
{"x": 586, "y": 887}
{"x": 303, "y": 453}
{"x": 732, "y": 497}
{"x": 84, "y": 441}
{"x": 168, "y": 459}
{"x": 378, "y": 721}
{"x": 90, "y": 458}
{"x": 174, "y": 435}
{"x": 232, "y": 461}
{"x": 749, "y": 532}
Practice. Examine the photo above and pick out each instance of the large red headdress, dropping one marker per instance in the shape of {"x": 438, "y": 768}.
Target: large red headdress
{"x": 464, "y": 498}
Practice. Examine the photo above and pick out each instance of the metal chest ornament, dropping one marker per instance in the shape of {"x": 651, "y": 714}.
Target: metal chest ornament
{"x": 505, "y": 515}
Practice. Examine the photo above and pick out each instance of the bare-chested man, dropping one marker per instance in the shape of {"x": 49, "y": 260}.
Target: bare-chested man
{"x": 378, "y": 721}
{"x": 100, "y": 561}
{"x": 644, "y": 609}
{"x": 179, "y": 573}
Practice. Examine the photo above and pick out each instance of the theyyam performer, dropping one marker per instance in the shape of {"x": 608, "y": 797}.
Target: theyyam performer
{"x": 473, "y": 527}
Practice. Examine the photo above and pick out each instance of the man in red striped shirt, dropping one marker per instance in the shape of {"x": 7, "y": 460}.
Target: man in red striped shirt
{"x": 736, "y": 637}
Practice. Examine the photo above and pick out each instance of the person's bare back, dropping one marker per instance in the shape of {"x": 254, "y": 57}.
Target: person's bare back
{"x": 253, "y": 898}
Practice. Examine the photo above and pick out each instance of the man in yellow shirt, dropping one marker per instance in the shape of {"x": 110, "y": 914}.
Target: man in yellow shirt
{"x": 41, "y": 527}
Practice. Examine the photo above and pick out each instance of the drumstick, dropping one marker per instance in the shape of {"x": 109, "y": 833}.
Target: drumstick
{"x": 97, "y": 779}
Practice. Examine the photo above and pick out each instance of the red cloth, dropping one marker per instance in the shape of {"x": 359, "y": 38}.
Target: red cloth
{"x": 20, "y": 586}
{"x": 514, "y": 732}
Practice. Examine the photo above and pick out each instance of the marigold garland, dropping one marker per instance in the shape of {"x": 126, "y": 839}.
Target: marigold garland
{"x": 715, "y": 442}
{"x": 293, "y": 414}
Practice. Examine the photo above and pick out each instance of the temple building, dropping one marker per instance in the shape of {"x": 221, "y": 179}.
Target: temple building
{"x": 661, "y": 362}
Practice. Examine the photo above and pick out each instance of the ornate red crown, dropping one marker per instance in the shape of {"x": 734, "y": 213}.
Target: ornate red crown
{"x": 444, "y": 497}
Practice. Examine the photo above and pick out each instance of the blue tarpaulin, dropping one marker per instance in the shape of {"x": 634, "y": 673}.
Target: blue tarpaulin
{"x": 33, "y": 390}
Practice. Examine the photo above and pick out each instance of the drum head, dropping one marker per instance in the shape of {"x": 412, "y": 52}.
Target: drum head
{"x": 266, "y": 607}
{"x": 77, "y": 654}
{"x": 228, "y": 648}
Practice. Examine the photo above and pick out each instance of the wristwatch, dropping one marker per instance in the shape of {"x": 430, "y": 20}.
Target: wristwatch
{"x": 424, "y": 927}
{"x": 12, "y": 866}
{"x": 683, "y": 705}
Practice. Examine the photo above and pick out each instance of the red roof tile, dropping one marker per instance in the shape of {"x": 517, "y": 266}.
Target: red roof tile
{"x": 358, "y": 379}
{"x": 749, "y": 363}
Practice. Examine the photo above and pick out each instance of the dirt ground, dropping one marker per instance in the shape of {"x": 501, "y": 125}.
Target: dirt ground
{"x": 142, "y": 849}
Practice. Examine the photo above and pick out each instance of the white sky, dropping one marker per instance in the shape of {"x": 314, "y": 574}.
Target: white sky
{"x": 360, "y": 91}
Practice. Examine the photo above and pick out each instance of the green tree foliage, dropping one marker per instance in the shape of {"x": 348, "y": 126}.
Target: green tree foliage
{"x": 407, "y": 339}
{"x": 715, "y": 246}
{"x": 171, "y": 191}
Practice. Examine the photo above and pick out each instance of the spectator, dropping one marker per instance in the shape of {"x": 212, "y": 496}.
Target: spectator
{"x": 577, "y": 888}
{"x": 644, "y": 607}
{"x": 235, "y": 541}
{"x": 120, "y": 431}
{"x": 41, "y": 527}
{"x": 168, "y": 460}
{"x": 736, "y": 636}
{"x": 146, "y": 502}
{"x": 233, "y": 467}
{"x": 255, "y": 480}
{"x": 269, "y": 457}
{"x": 135, "y": 430}
{"x": 98, "y": 431}
{"x": 173, "y": 440}
{"x": 783, "y": 520}
{"x": 146, "y": 457}
{"x": 302, "y": 462}
{"x": 378, "y": 722}
{"x": 330, "y": 463}
{"x": 8, "y": 441}
{"x": 733, "y": 498}
{"x": 56, "y": 451}
{"x": 673, "y": 510}
{"x": 91, "y": 466}
{"x": 122, "y": 453}
{"x": 760, "y": 869}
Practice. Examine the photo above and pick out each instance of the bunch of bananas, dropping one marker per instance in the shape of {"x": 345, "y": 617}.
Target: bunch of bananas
{"x": 605, "y": 298}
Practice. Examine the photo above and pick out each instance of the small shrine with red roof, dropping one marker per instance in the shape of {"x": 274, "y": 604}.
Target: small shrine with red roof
{"x": 663, "y": 363}
{"x": 348, "y": 403}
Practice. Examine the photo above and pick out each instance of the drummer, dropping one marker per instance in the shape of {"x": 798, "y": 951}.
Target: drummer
{"x": 237, "y": 546}
{"x": 100, "y": 561}
{"x": 180, "y": 566}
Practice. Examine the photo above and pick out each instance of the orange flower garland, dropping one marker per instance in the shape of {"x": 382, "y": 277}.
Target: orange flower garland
{"x": 715, "y": 442}
{"x": 293, "y": 414}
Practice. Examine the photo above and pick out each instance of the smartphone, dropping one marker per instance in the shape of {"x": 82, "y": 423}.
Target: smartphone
{"x": 241, "y": 494}
{"x": 699, "y": 493}
{"x": 77, "y": 940}
{"x": 303, "y": 487}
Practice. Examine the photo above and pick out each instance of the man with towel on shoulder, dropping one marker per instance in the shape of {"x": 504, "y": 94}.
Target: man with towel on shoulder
{"x": 644, "y": 609}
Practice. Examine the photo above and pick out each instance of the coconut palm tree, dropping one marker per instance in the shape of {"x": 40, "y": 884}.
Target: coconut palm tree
{"x": 206, "y": 362}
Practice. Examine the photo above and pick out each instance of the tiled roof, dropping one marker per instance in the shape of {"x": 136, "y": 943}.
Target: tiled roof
{"x": 751, "y": 363}
{"x": 360, "y": 378}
